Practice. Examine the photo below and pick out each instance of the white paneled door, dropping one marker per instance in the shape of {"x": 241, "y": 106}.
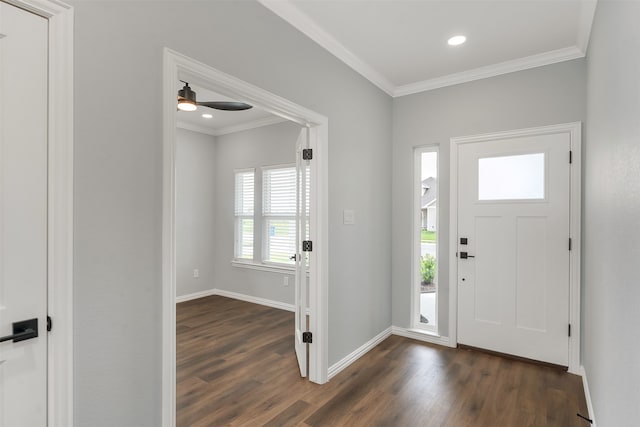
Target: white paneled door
{"x": 513, "y": 246}
{"x": 23, "y": 218}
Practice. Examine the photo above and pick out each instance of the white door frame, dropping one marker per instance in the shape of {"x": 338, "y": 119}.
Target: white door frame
{"x": 60, "y": 207}
{"x": 175, "y": 65}
{"x": 574, "y": 131}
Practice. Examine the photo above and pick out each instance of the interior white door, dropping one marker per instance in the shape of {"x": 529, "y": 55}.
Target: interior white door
{"x": 513, "y": 211}
{"x": 23, "y": 215}
{"x": 302, "y": 257}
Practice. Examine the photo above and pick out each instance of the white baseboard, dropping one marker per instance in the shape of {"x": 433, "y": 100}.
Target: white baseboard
{"x": 255, "y": 300}
{"x": 196, "y": 295}
{"x": 358, "y": 353}
{"x": 235, "y": 295}
{"x": 587, "y": 395}
{"x": 421, "y": 336}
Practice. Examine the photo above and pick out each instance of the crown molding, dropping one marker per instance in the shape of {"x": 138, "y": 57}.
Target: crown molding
{"x": 268, "y": 121}
{"x": 196, "y": 128}
{"x": 533, "y": 61}
{"x": 294, "y": 16}
{"x": 290, "y": 13}
{"x": 229, "y": 129}
{"x": 585, "y": 22}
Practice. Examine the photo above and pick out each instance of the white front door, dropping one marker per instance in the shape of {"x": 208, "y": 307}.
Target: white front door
{"x": 302, "y": 256}
{"x": 23, "y": 217}
{"x": 513, "y": 246}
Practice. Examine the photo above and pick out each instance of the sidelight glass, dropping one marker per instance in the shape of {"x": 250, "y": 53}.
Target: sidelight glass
{"x": 426, "y": 286}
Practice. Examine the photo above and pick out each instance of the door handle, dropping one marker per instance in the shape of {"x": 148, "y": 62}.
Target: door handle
{"x": 23, "y": 330}
{"x": 293, "y": 257}
{"x": 465, "y": 255}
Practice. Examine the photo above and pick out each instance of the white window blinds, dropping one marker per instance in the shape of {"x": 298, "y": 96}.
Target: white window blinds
{"x": 244, "y": 201}
{"x": 279, "y": 214}
{"x": 279, "y": 192}
{"x": 244, "y": 192}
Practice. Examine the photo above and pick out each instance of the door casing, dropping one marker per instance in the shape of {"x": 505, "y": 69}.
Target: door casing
{"x": 176, "y": 65}
{"x": 60, "y": 209}
{"x": 574, "y": 131}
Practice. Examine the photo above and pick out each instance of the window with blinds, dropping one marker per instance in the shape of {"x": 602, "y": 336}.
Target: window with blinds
{"x": 279, "y": 214}
{"x": 244, "y": 202}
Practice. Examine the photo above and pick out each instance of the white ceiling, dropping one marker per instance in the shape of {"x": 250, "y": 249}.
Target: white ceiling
{"x": 222, "y": 122}
{"x": 401, "y": 45}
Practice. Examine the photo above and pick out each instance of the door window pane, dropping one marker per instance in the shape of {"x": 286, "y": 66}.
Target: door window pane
{"x": 511, "y": 177}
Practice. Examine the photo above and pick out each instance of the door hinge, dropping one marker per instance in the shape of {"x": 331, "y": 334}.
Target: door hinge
{"x": 49, "y": 324}
{"x": 307, "y": 246}
{"x": 307, "y": 337}
{"x": 570, "y": 156}
{"x": 307, "y": 153}
{"x": 570, "y": 243}
{"x": 569, "y": 329}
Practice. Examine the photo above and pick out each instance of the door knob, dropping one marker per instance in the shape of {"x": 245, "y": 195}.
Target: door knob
{"x": 23, "y": 330}
{"x": 465, "y": 255}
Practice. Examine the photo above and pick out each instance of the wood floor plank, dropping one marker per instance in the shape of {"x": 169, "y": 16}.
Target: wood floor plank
{"x": 236, "y": 367}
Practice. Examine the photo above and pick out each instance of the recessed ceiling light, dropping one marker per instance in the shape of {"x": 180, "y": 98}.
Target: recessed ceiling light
{"x": 207, "y": 116}
{"x": 456, "y": 40}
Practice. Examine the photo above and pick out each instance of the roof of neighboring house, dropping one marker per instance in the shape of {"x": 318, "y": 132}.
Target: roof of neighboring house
{"x": 429, "y": 196}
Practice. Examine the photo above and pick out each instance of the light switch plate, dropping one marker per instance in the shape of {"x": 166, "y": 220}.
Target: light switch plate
{"x": 348, "y": 217}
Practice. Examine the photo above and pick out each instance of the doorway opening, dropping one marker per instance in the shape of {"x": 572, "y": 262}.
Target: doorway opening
{"x": 425, "y": 232}
{"x": 312, "y": 139}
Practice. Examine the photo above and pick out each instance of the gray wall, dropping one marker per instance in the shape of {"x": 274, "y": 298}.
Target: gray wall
{"x": 118, "y": 183}
{"x": 195, "y": 191}
{"x": 268, "y": 145}
{"x": 611, "y": 291}
{"x": 541, "y": 96}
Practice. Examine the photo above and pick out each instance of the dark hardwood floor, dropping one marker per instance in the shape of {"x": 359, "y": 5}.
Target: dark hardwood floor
{"x": 236, "y": 367}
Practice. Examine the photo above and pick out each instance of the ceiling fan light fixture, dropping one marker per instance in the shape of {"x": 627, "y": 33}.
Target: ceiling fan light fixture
{"x": 186, "y": 105}
{"x": 186, "y": 98}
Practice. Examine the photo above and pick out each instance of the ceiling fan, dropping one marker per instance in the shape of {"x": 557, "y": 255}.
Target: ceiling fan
{"x": 187, "y": 101}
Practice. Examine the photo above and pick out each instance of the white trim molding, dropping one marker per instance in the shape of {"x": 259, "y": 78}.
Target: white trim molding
{"x": 520, "y": 64}
{"x": 196, "y": 128}
{"x": 176, "y": 65}
{"x": 587, "y": 395}
{"x": 271, "y": 268}
{"x": 255, "y": 300}
{"x": 196, "y": 295}
{"x": 268, "y": 121}
{"x": 574, "y": 131}
{"x": 288, "y": 11}
{"x": 422, "y": 335}
{"x": 60, "y": 210}
{"x": 241, "y": 297}
{"x": 350, "y": 358}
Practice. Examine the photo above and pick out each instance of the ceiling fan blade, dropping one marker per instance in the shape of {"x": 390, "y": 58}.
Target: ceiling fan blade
{"x": 226, "y": 105}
